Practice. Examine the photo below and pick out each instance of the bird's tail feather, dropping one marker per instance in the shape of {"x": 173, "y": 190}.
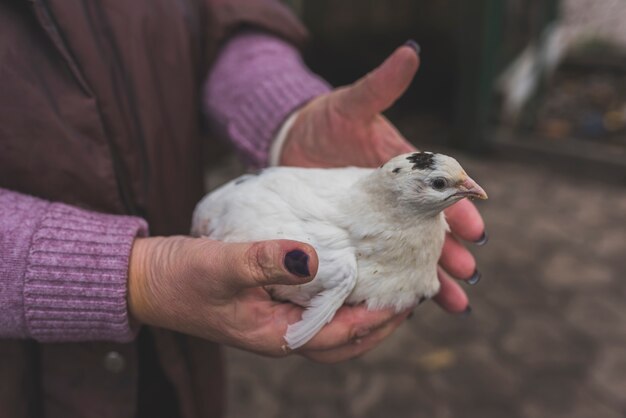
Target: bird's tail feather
{"x": 321, "y": 311}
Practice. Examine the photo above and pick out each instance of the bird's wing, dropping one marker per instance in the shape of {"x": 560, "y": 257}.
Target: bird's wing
{"x": 278, "y": 203}
{"x": 338, "y": 270}
{"x": 293, "y": 204}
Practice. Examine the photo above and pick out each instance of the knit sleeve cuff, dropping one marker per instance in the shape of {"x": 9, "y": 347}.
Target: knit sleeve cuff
{"x": 75, "y": 283}
{"x": 266, "y": 108}
{"x": 257, "y": 82}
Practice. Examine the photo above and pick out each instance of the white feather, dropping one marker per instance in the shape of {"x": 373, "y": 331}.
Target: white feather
{"x": 378, "y": 232}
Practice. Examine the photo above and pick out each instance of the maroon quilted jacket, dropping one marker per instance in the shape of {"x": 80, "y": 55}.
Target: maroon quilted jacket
{"x": 84, "y": 91}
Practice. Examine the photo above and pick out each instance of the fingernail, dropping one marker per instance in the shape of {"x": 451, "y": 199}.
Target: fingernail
{"x": 414, "y": 45}
{"x": 297, "y": 263}
{"x": 484, "y": 238}
{"x": 475, "y": 278}
{"x": 467, "y": 312}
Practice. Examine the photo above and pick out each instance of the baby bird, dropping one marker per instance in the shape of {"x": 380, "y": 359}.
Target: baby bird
{"x": 378, "y": 232}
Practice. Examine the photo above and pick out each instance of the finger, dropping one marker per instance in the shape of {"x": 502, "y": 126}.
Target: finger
{"x": 465, "y": 221}
{"x": 265, "y": 323}
{"x": 269, "y": 262}
{"x": 378, "y": 90}
{"x": 456, "y": 259}
{"x": 358, "y": 346}
{"x": 349, "y": 323}
{"x": 450, "y": 297}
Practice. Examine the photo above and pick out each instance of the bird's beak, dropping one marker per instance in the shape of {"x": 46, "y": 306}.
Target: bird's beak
{"x": 469, "y": 188}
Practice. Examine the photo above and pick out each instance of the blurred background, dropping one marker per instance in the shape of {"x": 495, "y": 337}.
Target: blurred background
{"x": 530, "y": 96}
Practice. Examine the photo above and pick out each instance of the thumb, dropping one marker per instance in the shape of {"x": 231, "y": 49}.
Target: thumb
{"x": 379, "y": 89}
{"x": 271, "y": 262}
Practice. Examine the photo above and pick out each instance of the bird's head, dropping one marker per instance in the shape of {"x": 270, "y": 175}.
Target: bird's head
{"x": 429, "y": 181}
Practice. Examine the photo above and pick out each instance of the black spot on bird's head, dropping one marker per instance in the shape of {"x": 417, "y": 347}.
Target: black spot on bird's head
{"x": 396, "y": 170}
{"x": 422, "y": 160}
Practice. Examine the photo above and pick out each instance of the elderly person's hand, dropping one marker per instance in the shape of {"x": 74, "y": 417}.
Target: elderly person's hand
{"x": 213, "y": 290}
{"x": 345, "y": 127}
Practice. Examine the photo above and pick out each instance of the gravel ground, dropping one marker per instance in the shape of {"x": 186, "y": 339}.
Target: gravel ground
{"x": 546, "y": 337}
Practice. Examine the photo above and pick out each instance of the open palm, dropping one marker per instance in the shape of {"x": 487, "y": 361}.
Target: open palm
{"x": 346, "y": 127}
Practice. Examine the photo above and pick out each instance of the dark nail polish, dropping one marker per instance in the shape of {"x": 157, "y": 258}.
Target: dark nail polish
{"x": 297, "y": 262}
{"x": 484, "y": 238}
{"x": 475, "y": 278}
{"x": 467, "y": 312}
{"x": 414, "y": 45}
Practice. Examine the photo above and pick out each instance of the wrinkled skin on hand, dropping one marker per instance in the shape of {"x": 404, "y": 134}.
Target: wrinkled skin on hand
{"x": 214, "y": 290}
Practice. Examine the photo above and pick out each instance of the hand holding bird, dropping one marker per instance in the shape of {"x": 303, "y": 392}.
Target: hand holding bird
{"x": 378, "y": 233}
{"x": 341, "y": 128}
{"x": 214, "y": 290}
{"x": 345, "y": 127}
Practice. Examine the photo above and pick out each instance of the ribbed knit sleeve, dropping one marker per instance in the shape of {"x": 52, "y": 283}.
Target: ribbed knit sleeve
{"x": 257, "y": 81}
{"x": 63, "y": 271}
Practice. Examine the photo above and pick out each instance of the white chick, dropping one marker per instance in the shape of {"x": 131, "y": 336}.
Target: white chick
{"x": 378, "y": 232}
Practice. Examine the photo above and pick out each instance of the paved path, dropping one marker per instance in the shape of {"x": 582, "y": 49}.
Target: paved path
{"x": 593, "y": 19}
{"x": 547, "y": 337}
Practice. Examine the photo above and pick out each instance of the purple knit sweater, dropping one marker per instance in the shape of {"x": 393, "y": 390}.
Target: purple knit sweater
{"x": 63, "y": 270}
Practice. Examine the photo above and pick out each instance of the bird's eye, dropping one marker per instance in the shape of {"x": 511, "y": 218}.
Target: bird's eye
{"x": 439, "y": 183}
